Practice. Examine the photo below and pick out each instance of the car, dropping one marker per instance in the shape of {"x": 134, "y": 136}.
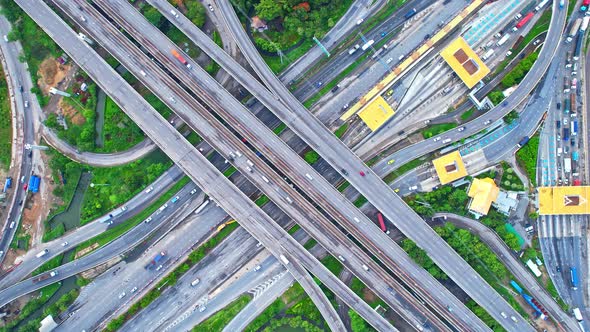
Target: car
{"x": 318, "y": 84}
{"x": 487, "y": 122}
{"x": 558, "y": 105}
{"x": 257, "y": 268}
{"x": 461, "y": 129}
{"x": 360, "y": 21}
{"x": 159, "y": 268}
{"x": 26, "y": 103}
{"x": 1, "y": 253}
{"x": 389, "y": 60}
{"x": 504, "y": 104}
{"x": 573, "y": 142}
{"x": 173, "y": 200}
{"x": 122, "y": 295}
{"x": 504, "y": 314}
{"x": 30, "y": 154}
{"x": 536, "y": 42}
{"x": 124, "y": 208}
{"x": 345, "y": 106}
{"x": 149, "y": 190}
{"x": 446, "y": 140}
{"x": 210, "y": 8}
{"x": 383, "y": 34}
{"x": 6, "y": 38}
{"x": 558, "y": 268}
{"x": 65, "y": 243}
{"x": 412, "y": 188}
{"x": 193, "y": 191}
{"x": 436, "y": 139}
{"x": 344, "y": 171}
{"x": 362, "y": 173}
{"x": 401, "y": 57}
{"x": 20, "y": 88}
{"x": 147, "y": 221}
{"x": 565, "y": 121}
{"x": 334, "y": 89}
{"x": 396, "y": 190}
{"x": 133, "y": 290}
{"x": 26, "y": 186}
{"x": 390, "y": 161}
{"x": 202, "y": 308}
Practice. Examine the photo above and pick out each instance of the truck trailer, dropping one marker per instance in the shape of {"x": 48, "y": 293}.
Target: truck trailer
{"x": 574, "y": 30}
{"x": 503, "y": 40}
{"x": 45, "y": 276}
{"x": 180, "y": 58}
{"x": 567, "y": 165}
{"x": 523, "y": 21}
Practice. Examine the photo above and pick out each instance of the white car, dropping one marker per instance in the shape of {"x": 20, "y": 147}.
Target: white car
{"x": 436, "y": 139}
{"x": 64, "y": 244}
{"x": 210, "y": 7}
{"x": 149, "y": 190}
{"x": 159, "y": 268}
{"x": 412, "y": 188}
{"x": 122, "y": 295}
{"x": 147, "y": 221}
{"x": 6, "y": 38}
{"x": 461, "y": 129}
{"x": 257, "y": 268}
{"x": 193, "y": 191}
{"x": 202, "y": 308}
{"x": 134, "y": 290}
{"x": 389, "y": 60}
{"x": 124, "y": 208}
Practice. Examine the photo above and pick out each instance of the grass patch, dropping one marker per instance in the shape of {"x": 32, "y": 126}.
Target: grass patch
{"x": 294, "y": 229}
{"x": 343, "y": 186}
{"x": 54, "y": 233}
{"x": 360, "y": 201}
{"x": 49, "y": 265}
{"x": 310, "y": 244}
{"x": 170, "y": 280}
{"x": 467, "y": 114}
{"x": 389, "y": 178}
{"x": 342, "y": 130}
{"x": 311, "y": 157}
{"x": 5, "y": 125}
{"x": 116, "y": 231}
{"x": 33, "y": 305}
{"x": 527, "y": 158}
{"x": 333, "y": 264}
{"x": 229, "y": 171}
{"x": 437, "y": 129}
{"x": 510, "y": 181}
{"x": 279, "y": 129}
{"x": 120, "y": 133}
{"x": 275, "y": 64}
{"x": 221, "y": 318}
{"x": 263, "y": 199}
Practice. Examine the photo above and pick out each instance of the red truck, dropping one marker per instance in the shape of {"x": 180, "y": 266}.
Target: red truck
{"x": 524, "y": 20}
{"x": 180, "y": 58}
{"x": 381, "y": 222}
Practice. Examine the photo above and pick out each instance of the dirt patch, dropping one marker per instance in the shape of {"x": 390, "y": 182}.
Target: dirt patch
{"x": 13, "y": 308}
{"x": 71, "y": 113}
{"x": 51, "y": 73}
{"x": 369, "y": 296}
{"x": 94, "y": 272}
{"x": 86, "y": 250}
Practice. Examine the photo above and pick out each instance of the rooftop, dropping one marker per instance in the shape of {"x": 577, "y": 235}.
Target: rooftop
{"x": 450, "y": 167}
{"x": 376, "y": 113}
{"x": 483, "y": 192}
{"x": 564, "y": 200}
{"x": 465, "y": 62}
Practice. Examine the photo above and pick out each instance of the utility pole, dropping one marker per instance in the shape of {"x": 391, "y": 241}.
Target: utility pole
{"x": 321, "y": 46}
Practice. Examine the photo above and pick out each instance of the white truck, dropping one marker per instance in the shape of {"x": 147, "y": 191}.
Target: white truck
{"x": 503, "y": 40}
{"x": 487, "y": 54}
{"x": 567, "y": 165}
{"x": 578, "y": 314}
{"x": 42, "y": 253}
{"x": 284, "y": 259}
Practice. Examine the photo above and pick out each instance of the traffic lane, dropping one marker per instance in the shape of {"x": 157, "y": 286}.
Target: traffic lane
{"x": 137, "y": 204}
{"x": 237, "y": 161}
{"x": 241, "y": 115}
{"x": 535, "y": 74}
{"x": 99, "y": 302}
{"x": 95, "y": 258}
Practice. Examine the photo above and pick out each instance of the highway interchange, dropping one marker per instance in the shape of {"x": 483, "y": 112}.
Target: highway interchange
{"x": 275, "y": 151}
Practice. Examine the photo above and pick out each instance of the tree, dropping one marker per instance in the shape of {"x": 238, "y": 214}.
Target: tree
{"x": 153, "y": 15}
{"x": 269, "y": 9}
{"x": 196, "y": 12}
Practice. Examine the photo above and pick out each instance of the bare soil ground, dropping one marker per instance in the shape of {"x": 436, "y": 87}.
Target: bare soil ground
{"x": 95, "y": 272}
{"x": 51, "y": 73}
{"x": 71, "y": 113}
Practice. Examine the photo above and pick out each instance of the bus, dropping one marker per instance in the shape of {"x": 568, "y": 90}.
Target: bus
{"x": 382, "y": 223}
{"x": 574, "y": 277}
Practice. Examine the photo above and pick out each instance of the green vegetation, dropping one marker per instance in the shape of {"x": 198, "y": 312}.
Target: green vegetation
{"x": 54, "y": 233}
{"x": 343, "y": 186}
{"x": 294, "y": 229}
{"x": 360, "y": 201}
{"x": 37, "y": 45}
{"x": 510, "y": 117}
{"x": 310, "y": 244}
{"x": 389, "y": 178}
{"x": 49, "y": 265}
{"x": 341, "y": 130}
{"x": 279, "y": 129}
{"x": 481, "y": 259}
{"x": 294, "y": 308}
{"x": 33, "y": 305}
{"x": 421, "y": 258}
{"x": 62, "y": 167}
{"x": 195, "y": 11}
{"x": 518, "y": 73}
{"x": 20, "y": 237}
{"x": 437, "y": 129}
{"x": 330, "y": 85}
{"x": 221, "y": 318}
{"x": 527, "y": 158}
{"x": 496, "y": 96}
{"x": 497, "y": 222}
{"x": 119, "y": 132}
{"x": 570, "y": 9}
{"x": 484, "y": 316}
{"x": 467, "y": 114}
{"x": 332, "y": 264}
{"x": 229, "y": 171}
{"x": 118, "y": 230}
{"x": 170, "y": 280}
{"x": 510, "y": 181}
{"x": 263, "y": 199}
{"x": 357, "y": 323}
{"x": 311, "y": 157}
{"x": 54, "y": 309}
{"x": 444, "y": 199}
{"x": 359, "y": 288}
{"x": 5, "y": 125}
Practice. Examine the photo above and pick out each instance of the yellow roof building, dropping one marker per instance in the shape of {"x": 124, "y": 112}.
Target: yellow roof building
{"x": 450, "y": 167}
{"x": 564, "y": 200}
{"x": 465, "y": 62}
{"x": 483, "y": 193}
{"x": 376, "y": 113}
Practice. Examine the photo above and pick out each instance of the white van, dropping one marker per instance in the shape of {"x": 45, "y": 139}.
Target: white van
{"x": 195, "y": 282}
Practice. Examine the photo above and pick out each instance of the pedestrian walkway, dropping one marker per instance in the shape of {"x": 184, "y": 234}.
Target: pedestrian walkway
{"x": 488, "y": 139}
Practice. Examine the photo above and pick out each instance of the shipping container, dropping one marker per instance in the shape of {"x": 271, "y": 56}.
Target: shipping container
{"x": 524, "y": 20}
